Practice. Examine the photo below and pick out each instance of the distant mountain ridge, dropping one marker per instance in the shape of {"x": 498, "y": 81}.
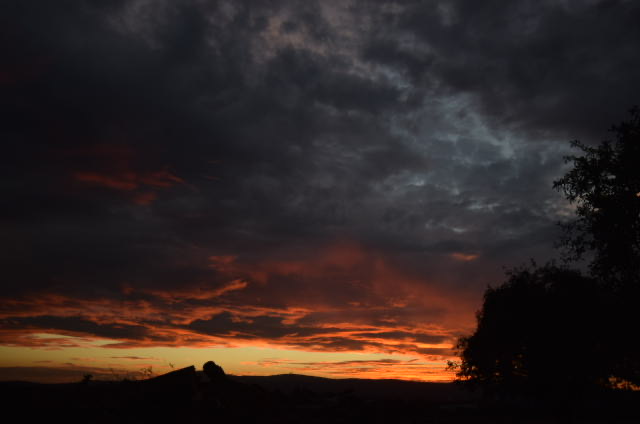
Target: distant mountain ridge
{"x": 368, "y": 388}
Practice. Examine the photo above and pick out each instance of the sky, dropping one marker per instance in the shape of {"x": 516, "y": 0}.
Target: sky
{"x": 316, "y": 187}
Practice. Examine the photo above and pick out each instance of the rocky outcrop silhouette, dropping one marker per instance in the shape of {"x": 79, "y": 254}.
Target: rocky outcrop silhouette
{"x": 222, "y": 395}
{"x": 179, "y": 385}
{"x": 214, "y": 372}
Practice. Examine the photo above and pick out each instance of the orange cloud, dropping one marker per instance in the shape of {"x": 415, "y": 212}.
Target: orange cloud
{"x": 385, "y": 368}
{"x": 340, "y": 298}
{"x": 464, "y": 257}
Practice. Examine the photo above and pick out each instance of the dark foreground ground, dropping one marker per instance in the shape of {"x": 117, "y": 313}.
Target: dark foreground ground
{"x": 186, "y": 396}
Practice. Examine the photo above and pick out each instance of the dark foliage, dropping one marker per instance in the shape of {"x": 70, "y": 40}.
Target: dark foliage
{"x": 540, "y": 333}
{"x": 551, "y": 331}
{"x": 604, "y": 185}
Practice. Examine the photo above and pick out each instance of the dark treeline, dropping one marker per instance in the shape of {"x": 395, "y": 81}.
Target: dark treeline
{"x": 565, "y": 333}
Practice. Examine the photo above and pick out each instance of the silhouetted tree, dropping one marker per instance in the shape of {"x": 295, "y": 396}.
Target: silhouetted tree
{"x": 538, "y": 333}
{"x": 552, "y": 330}
{"x": 604, "y": 185}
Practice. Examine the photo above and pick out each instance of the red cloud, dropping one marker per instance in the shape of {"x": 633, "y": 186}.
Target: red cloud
{"x": 125, "y": 181}
{"x": 129, "y": 180}
{"x": 114, "y": 168}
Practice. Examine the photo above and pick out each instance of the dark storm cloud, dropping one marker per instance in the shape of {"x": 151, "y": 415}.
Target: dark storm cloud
{"x": 142, "y": 139}
{"x": 77, "y": 324}
{"x": 223, "y": 324}
{"x": 563, "y": 66}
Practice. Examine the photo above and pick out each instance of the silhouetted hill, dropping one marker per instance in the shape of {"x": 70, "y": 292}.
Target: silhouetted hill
{"x": 365, "y": 388}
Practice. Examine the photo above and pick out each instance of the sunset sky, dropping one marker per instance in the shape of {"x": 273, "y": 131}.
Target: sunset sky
{"x": 316, "y": 187}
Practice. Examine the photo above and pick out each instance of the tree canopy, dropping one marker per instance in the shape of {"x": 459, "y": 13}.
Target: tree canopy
{"x": 539, "y": 332}
{"x": 549, "y": 329}
{"x": 604, "y": 185}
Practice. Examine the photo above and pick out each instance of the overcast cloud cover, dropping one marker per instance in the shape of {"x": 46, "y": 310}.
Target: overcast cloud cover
{"x": 330, "y": 175}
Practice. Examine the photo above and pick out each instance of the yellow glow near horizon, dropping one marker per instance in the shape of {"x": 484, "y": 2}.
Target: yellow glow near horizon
{"x": 246, "y": 360}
